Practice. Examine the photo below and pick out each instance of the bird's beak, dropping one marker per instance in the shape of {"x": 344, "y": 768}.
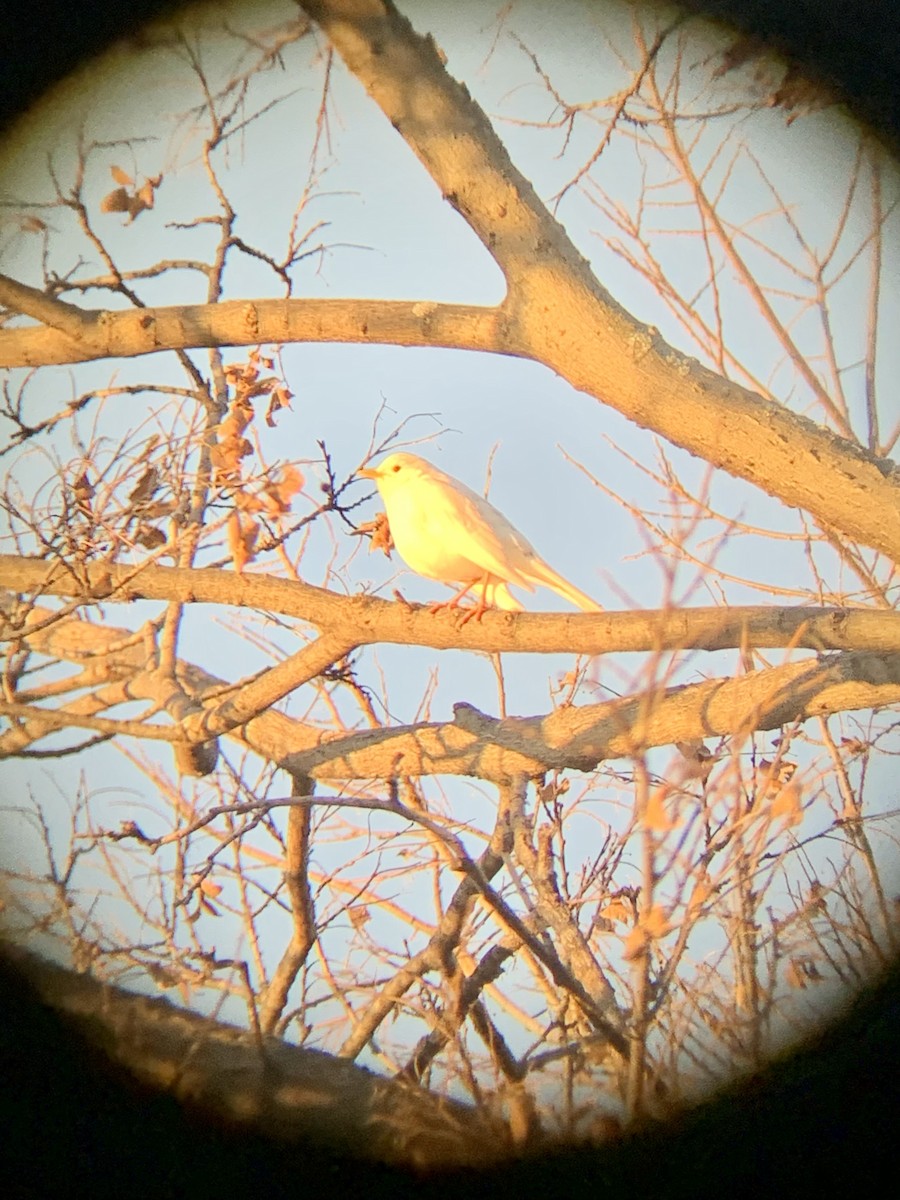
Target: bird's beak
{"x": 368, "y": 472}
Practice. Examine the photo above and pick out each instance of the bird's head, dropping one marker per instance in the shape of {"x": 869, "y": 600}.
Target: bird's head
{"x": 396, "y": 470}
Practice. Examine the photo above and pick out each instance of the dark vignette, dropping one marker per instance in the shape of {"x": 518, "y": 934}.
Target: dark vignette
{"x": 824, "y": 1119}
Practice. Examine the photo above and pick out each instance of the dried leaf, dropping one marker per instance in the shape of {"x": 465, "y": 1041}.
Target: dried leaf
{"x": 771, "y": 777}
{"x": 145, "y": 487}
{"x": 652, "y": 926}
{"x": 117, "y": 201}
{"x": 283, "y": 489}
{"x": 656, "y": 816}
{"x": 135, "y": 207}
{"x": 149, "y": 537}
{"x": 359, "y": 915}
{"x": 381, "y": 534}
{"x": 788, "y": 804}
{"x": 242, "y": 535}
{"x": 146, "y": 194}
{"x": 83, "y": 490}
{"x": 281, "y": 398}
{"x": 121, "y": 176}
{"x": 635, "y": 944}
{"x": 655, "y": 922}
{"x": 617, "y": 910}
{"x": 702, "y": 891}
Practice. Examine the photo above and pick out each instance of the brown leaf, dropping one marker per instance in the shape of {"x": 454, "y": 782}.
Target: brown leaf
{"x": 135, "y": 207}
{"x": 145, "y": 487}
{"x": 281, "y": 398}
{"x": 656, "y": 816}
{"x": 381, "y": 534}
{"x": 358, "y": 915}
{"x": 146, "y": 194}
{"x": 242, "y": 535}
{"x": 117, "y": 201}
{"x": 788, "y": 804}
{"x": 652, "y": 926}
{"x": 771, "y": 777}
{"x": 616, "y": 910}
{"x": 635, "y": 944}
{"x": 289, "y": 482}
{"x": 702, "y": 891}
{"x": 656, "y": 922}
{"x": 121, "y": 176}
{"x": 149, "y": 537}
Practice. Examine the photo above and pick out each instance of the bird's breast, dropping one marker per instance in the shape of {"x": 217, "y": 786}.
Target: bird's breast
{"x": 424, "y": 534}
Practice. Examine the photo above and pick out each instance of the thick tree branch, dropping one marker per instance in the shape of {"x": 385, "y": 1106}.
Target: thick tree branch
{"x": 499, "y": 750}
{"x": 295, "y": 1091}
{"x": 133, "y": 332}
{"x": 75, "y": 324}
{"x": 365, "y": 620}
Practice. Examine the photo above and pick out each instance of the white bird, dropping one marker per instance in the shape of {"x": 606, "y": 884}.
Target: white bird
{"x": 445, "y": 531}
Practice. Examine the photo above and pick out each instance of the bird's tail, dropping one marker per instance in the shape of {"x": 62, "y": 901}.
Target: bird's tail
{"x": 542, "y": 573}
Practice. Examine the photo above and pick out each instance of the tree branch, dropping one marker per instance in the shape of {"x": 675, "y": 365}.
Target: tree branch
{"x": 365, "y": 620}
{"x": 291, "y": 1089}
{"x": 134, "y": 332}
{"x": 499, "y": 750}
{"x": 75, "y": 324}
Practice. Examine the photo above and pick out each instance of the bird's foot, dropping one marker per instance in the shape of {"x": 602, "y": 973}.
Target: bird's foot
{"x": 453, "y": 605}
{"x": 463, "y": 614}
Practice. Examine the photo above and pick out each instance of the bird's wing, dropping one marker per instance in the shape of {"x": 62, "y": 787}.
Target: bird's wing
{"x": 501, "y": 545}
{"x": 478, "y": 531}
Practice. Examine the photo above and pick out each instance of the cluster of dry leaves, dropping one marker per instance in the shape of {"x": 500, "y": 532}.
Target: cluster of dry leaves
{"x": 270, "y": 496}
{"x": 128, "y": 197}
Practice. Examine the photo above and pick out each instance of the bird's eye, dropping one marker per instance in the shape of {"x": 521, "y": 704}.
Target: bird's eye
{"x": 395, "y": 468}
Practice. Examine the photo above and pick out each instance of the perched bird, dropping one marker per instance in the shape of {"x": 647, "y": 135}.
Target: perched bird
{"x": 445, "y": 531}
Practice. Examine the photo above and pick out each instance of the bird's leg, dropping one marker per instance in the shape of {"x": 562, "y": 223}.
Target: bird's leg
{"x": 453, "y": 602}
{"x": 480, "y": 608}
{"x": 477, "y": 611}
